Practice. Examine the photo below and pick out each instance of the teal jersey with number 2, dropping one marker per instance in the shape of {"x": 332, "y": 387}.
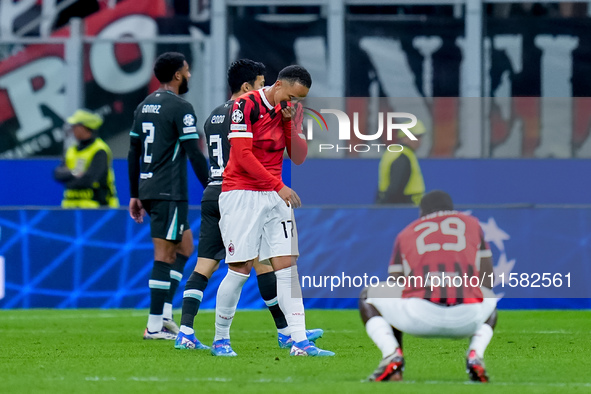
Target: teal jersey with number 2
{"x": 162, "y": 122}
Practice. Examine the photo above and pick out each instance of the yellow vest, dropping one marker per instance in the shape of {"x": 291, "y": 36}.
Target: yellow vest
{"x": 78, "y": 162}
{"x": 415, "y": 186}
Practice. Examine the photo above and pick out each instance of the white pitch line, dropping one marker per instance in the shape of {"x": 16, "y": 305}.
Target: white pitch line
{"x": 69, "y": 314}
{"x": 66, "y": 315}
{"x": 270, "y": 330}
{"x": 290, "y": 380}
{"x": 194, "y": 379}
{"x": 495, "y": 383}
{"x": 543, "y": 332}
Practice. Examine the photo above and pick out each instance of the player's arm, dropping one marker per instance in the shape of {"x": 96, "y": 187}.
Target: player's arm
{"x": 197, "y": 160}
{"x": 399, "y": 176}
{"x": 396, "y": 268}
{"x": 133, "y": 162}
{"x": 136, "y": 210}
{"x": 295, "y": 141}
{"x": 484, "y": 258}
{"x": 185, "y": 121}
{"x": 240, "y": 137}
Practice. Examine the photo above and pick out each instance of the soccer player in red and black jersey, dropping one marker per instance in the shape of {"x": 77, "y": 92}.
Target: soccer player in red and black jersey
{"x": 244, "y": 75}
{"x": 443, "y": 268}
{"x": 256, "y": 207}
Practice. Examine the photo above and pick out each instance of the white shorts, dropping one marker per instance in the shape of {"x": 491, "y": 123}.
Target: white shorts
{"x": 256, "y": 224}
{"x": 423, "y": 318}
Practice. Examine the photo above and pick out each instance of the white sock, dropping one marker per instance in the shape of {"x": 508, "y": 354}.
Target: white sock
{"x": 290, "y": 303}
{"x": 481, "y": 339}
{"x": 186, "y": 330}
{"x": 154, "y": 323}
{"x": 226, "y": 302}
{"x": 381, "y": 333}
{"x": 284, "y": 331}
{"x": 167, "y": 314}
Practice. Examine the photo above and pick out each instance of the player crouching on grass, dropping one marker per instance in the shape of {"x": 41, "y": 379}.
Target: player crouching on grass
{"x": 442, "y": 242}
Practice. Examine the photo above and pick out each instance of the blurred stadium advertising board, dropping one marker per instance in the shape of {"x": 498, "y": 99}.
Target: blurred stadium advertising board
{"x": 353, "y": 181}
{"x": 105, "y": 262}
{"x": 2, "y": 278}
{"x": 528, "y": 63}
{"x": 535, "y": 75}
{"x": 33, "y": 82}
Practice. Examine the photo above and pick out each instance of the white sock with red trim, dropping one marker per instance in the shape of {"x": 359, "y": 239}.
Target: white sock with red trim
{"x": 481, "y": 339}
{"x": 289, "y": 297}
{"x": 381, "y": 333}
{"x": 226, "y": 302}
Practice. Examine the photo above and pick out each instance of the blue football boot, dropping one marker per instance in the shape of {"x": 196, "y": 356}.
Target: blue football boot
{"x": 222, "y": 348}
{"x": 184, "y": 341}
{"x": 307, "y": 348}
{"x": 285, "y": 341}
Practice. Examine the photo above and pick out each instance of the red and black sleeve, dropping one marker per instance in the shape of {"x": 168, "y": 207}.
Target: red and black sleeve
{"x": 240, "y": 137}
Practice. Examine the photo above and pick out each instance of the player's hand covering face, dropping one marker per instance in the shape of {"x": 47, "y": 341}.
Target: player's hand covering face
{"x": 287, "y": 110}
{"x": 290, "y": 92}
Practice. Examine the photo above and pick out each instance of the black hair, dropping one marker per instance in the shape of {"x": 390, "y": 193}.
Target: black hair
{"x": 167, "y": 65}
{"x": 244, "y": 70}
{"x": 294, "y": 74}
{"x": 434, "y": 201}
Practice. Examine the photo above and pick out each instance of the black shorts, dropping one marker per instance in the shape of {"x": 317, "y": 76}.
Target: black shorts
{"x": 211, "y": 245}
{"x": 168, "y": 219}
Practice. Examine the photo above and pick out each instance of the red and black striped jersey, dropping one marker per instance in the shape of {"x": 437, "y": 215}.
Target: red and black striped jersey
{"x": 256, "y": 121}
{"x": 445, "y": 244}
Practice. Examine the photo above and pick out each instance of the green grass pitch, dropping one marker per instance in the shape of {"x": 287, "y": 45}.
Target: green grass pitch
{"x": 102, "y": 351}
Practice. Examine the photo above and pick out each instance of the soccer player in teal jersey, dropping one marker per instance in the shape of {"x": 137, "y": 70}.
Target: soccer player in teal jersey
{"x": 163, "y": 135}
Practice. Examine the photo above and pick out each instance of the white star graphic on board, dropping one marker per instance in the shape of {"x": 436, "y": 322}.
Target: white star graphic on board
{"x": 503, "y": 266}
{"x": 492, "y": 233}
